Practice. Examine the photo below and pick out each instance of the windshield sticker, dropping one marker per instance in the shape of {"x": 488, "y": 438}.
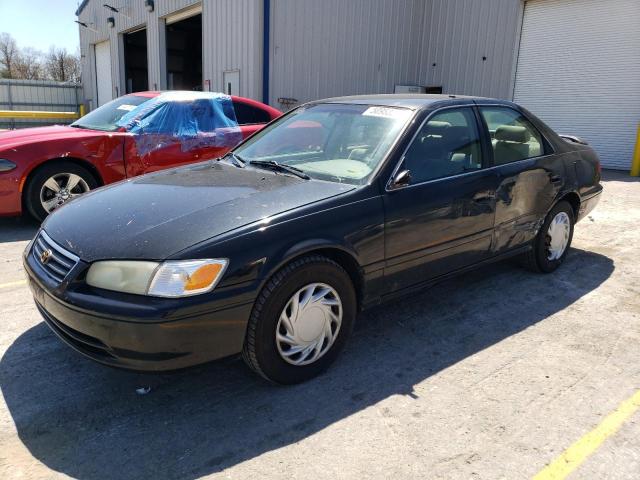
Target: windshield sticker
{"x": 127, "y": 108}
{"x": 385, "y": 112}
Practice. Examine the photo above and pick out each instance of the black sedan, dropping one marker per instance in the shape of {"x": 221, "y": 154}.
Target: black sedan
{"x": 273, "y": 249}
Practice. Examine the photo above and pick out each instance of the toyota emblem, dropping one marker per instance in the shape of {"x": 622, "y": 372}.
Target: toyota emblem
{"x": 46, "y": 256}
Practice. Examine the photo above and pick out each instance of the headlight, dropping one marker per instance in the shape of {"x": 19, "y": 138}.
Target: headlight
{"x": 167, "y": 279}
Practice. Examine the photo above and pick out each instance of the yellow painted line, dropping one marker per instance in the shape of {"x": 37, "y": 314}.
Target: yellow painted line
{"x": 13, "y": 284}
{"x": 37, "y": 114}
{"x": 577, "y": 453}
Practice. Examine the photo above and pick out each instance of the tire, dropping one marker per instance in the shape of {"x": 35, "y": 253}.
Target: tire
{"x": 55, "y": 170}
{"x": 263, "y": 352}
{"x": 538, "y": 258}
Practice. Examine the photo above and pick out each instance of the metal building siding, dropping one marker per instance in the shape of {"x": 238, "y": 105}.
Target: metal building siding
{"x": 457, "y": 34}
{"x": 166, "y": 7}
{"x": 232, "y": 36}
{"x": 579, "y": 71}
{"x": 329, "y": 48}
{"x": 95, "y": 14}
{"x": 37, "y": 95}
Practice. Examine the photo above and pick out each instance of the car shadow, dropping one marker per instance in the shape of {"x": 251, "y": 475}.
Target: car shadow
{"x": 17, "y": 229}
{"x": 87, "y": 421}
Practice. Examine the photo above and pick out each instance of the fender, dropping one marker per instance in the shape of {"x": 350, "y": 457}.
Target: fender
{"x": 298, "y": 249}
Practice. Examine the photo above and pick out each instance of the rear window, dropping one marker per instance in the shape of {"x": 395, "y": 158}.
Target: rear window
{"x": 248, "y": 114}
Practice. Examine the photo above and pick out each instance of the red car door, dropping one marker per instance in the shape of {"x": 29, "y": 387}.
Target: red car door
{"x": 252, "y": 116}
{"x": 188, "y": 132}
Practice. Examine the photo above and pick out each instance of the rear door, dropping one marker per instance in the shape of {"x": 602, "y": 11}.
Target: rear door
{"x": 529, "y": 175}
{"x": 249, "y": 117}
{"x": 443, "y": 219}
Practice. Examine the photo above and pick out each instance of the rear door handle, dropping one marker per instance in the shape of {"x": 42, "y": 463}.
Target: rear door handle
{"x": 556, "y": 179}
{"x": 483, "y": 196}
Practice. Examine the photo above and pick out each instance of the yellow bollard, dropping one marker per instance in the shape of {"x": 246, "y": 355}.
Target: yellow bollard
{"x": 81, "y": 110}
{"x": 635, "y": 162}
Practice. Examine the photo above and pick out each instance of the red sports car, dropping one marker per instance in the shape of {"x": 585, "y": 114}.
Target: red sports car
{"x": 42, "y": 168}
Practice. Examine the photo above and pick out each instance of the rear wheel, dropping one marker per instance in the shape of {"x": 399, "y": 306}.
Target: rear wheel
{"x": 300, "y": 321}
{"x": 55, "y": 184}
{"x": 551, "y": 245}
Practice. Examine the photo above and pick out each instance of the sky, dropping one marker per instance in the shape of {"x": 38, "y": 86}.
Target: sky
{"x": 41, "y": 23}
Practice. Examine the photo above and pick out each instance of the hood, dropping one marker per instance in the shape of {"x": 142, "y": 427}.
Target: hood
{"x": 23, "y": 136}
{"x": 157, "y": 215}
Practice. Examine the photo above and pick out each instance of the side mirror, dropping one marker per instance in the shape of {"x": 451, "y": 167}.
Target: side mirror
{"x": 402, "y": 179}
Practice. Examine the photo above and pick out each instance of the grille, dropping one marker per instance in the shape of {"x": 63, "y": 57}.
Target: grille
{"x": 54, "y": 260}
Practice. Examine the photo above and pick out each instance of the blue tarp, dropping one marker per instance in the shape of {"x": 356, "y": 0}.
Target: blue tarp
{"x": 192, "y": 119}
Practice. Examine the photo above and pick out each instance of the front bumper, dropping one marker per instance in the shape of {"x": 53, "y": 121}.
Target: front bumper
{"x": 10, "y": 199}
{"x": 157, "y": 335}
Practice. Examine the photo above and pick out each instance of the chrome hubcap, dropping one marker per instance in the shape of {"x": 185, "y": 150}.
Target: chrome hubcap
{"x": 61, "y": 188}
{"x": 309, "y": 324}
{"x": 558, "y": 236}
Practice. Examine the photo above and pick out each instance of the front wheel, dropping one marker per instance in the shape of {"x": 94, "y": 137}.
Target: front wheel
{"x": 55, "y": 184}
{"x": 551, "y": 245}
{"x": 300, "y": 321}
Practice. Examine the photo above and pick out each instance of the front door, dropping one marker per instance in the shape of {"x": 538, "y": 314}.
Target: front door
{"x": 181, "y": 132}
{"x": 443, "y": 219}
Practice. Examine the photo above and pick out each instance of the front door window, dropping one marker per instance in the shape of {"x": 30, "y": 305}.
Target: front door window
{"x": 447, "y": 144}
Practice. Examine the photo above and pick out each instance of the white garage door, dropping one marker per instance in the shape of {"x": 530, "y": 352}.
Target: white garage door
{"x": 579, "y": 71}
{"x": 103, "y": 73}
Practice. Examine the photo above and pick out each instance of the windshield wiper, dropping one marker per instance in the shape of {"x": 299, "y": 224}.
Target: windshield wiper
{"x": 273, "y": 165}
{"x": 238, "y": 161}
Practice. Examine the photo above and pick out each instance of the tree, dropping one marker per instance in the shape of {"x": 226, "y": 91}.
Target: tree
{"x": 8, "y": 54}
{"x": 28, "y": 65}
{"x": 62, "y": 66}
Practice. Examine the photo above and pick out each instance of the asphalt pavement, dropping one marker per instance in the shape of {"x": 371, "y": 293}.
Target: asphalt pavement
{"x": 490, "y": 375}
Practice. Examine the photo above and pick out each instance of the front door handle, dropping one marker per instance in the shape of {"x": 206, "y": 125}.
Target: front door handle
{"x": 556, "y": 179}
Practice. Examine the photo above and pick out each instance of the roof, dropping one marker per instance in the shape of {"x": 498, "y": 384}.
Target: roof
{"x": 414, "y": 101}
{"x": 81, "y": 7}
{"x": 149, "y": 93}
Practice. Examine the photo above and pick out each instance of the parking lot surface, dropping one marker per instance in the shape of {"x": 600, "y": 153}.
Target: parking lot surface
{"x": 491, "y": 375}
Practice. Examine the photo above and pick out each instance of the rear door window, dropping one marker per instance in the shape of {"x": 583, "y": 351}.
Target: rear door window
{"x": 249, "y": 115}
{"x": 513, "y": 137}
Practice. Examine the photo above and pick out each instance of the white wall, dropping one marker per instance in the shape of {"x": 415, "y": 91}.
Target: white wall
{"x": 458, "y": 34}
{"x": 232, "y": 35}
{"x": 323, "y": 48}
{"x": 133, "y": 16}
{"x": 331, "y": 47}
{"x": 579, "y": 71}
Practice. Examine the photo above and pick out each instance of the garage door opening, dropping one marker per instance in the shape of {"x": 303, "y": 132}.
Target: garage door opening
{"x": 135, "y": 61}
{"x": 184, "y": 53}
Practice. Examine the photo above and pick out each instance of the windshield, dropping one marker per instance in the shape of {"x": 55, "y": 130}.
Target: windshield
{"x": 106, "y": 117}
{"x": 336, "y": 142}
